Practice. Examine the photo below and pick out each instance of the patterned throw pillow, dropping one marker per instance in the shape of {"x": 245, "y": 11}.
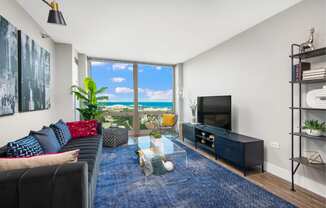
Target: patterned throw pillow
{"x": 25, "y": 147}
{"x": 62, "y": 132}
{"x": 81, "y": 129}
{"x": 168, "y": 120}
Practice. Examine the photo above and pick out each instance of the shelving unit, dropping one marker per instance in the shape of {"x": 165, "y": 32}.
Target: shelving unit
{"x": 308, "y": 109}
{"x": 208, "y": 143}
{"x": 323, "y": 138}
{"x": 300, "y": 160}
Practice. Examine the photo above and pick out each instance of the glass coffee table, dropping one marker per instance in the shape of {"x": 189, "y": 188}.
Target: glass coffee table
{"x": 164, "y": 148}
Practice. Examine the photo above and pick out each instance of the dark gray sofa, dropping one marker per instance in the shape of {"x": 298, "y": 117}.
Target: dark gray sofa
{"x": 64, "y": 186}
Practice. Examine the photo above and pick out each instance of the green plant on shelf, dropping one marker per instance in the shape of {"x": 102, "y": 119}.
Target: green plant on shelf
{"x": 314, "y": 127}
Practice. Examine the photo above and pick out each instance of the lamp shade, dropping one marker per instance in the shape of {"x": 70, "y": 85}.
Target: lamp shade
{"x": 56, "y": 17}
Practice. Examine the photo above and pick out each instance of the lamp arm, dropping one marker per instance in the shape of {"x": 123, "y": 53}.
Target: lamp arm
{"x": 47, "y": 3}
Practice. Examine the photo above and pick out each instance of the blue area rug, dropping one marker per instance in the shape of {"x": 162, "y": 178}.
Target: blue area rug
{"x": 203, "y": 184}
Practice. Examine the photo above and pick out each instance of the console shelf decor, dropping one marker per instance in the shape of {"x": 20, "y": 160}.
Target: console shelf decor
{"x": 296, "y": 161}
{"x": 242, "y": 151}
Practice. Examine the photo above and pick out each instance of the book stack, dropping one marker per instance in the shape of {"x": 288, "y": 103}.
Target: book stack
{"x": 314, "y": 74}
{"x": 298, "y": 70}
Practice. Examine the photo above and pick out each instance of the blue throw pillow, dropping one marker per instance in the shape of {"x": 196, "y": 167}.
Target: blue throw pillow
{"x": 47, "y": 139}
{"x": 25, "y": 147}
{"x": 62, "y": 132}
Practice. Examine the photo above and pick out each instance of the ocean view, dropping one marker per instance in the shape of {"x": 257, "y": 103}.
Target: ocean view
{"x": 158, "y": 105}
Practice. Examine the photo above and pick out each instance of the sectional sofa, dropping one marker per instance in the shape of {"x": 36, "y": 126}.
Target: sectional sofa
{"x": 61, "y": 186}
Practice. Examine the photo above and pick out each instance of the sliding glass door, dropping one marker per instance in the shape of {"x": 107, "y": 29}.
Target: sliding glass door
{"x": 138, "y": 93}
{"x": 155, "y": 93}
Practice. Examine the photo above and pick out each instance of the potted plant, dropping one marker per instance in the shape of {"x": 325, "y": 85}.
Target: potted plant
{"x": 89, "y": 98}
{"x": 314, "y": 127}
{"x": 156, "y": 134}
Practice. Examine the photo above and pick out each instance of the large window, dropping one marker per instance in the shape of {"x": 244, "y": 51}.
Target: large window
{"x": 118, "y": 78}
{"x": 138, "y": 93}
{"x": 155, "y": 93}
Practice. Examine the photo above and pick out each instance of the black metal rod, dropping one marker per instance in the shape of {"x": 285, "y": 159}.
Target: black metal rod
{"x": 300, "y": 115}
{"x": 292, "y": 120}
{"x": 47, "y": 3}
{"x": 296, "y": 168}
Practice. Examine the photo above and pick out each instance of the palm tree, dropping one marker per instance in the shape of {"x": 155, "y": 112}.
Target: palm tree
{"x": 89, "y": 98}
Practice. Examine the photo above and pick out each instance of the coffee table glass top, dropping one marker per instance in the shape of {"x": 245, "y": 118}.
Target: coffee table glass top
{"x": 161, "y": 146}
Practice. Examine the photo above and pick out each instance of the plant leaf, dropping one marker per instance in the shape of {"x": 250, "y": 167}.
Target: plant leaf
{"x": 80, "y": 96}
{"x": 101, "y": 90}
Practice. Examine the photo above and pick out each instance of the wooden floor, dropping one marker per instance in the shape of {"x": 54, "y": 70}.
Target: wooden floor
{"x": 300, "y": 198}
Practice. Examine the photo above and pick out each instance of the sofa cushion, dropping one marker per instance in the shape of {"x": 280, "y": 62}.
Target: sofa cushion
{"x": 62, "y": 132}
{"x": 80, "y": 129}
{"x": 7, "y": 164}
{"x": 89, "y": 148}
{"x": 47, "y": 139}
{"x": 25, "y": 147}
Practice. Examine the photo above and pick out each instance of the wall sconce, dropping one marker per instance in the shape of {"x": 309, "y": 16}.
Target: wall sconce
{"x": 55, "y": 15}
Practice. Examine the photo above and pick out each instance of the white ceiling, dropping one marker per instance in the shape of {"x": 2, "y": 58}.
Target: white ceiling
{"x": 165, "y": 31}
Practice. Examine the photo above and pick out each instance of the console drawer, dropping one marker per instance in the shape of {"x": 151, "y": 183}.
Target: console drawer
{"x": 188, "y": 132}
{"x": 230, "y": 150}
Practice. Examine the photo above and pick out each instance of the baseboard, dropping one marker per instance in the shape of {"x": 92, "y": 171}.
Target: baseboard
{"x": 300, "y": 180}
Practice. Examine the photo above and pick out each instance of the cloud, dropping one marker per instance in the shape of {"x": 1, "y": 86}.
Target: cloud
{"x": 123, "y": 90}
{"x": 158, "y": 68}
{"x": 120, "y": 66}
{"x": 118, "y": 79}
{"x": 98, "y": 63}
{"x": 156, "y": 95}
{"x": 111, "y": 95}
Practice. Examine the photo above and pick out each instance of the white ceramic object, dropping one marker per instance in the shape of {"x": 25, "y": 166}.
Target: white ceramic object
{"x": 168, "y": 165}
{"x": 314, "y": 132}
{"x": 317, "y": 98}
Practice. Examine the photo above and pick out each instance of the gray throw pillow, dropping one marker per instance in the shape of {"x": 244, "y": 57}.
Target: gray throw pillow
{"x": 47, "y": 139}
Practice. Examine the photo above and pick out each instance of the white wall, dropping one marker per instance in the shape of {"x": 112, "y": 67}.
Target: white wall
{"x": 178, "y": 76}
{"x": 67, "y": 75}
{"x": 254, "y": 68}
{"x": 19, "y": 124}
{"x": 82, "y": 68}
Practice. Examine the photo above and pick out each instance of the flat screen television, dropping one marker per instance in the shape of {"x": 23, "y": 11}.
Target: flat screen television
{"x": 214, "y": 111}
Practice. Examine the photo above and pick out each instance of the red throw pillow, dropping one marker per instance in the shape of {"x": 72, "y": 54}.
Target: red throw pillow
{"x": 79, "y": 129}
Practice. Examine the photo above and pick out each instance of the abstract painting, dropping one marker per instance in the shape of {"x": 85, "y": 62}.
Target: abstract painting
{"x": 8, "y": 67}
{"x": 34, "y": 75}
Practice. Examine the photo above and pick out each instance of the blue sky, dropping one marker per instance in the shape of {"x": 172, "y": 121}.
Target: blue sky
{"x": 155, "y": 82}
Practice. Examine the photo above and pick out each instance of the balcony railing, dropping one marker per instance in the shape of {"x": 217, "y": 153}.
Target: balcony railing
{"x": 124, "y": 119}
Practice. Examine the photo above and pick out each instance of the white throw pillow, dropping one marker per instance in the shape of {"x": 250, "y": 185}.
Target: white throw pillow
{"x": 39, "y": 161}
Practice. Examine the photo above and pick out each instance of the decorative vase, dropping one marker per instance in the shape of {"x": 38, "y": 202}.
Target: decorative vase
{"x": 168, "y": 166}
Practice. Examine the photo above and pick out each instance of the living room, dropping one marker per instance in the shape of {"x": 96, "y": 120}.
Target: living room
{"x": 197, "y": 104}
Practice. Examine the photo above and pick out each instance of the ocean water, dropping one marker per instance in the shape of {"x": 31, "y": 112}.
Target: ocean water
{"x": 142, "y": 104}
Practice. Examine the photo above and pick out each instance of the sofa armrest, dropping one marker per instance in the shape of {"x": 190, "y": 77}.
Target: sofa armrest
{"x": 61, "y": 186}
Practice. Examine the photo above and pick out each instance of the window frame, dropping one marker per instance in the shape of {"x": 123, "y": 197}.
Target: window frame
{"x": 136, "y": 114}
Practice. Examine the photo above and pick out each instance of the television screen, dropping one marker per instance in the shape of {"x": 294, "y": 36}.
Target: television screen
{"x": 215, "y": 111}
